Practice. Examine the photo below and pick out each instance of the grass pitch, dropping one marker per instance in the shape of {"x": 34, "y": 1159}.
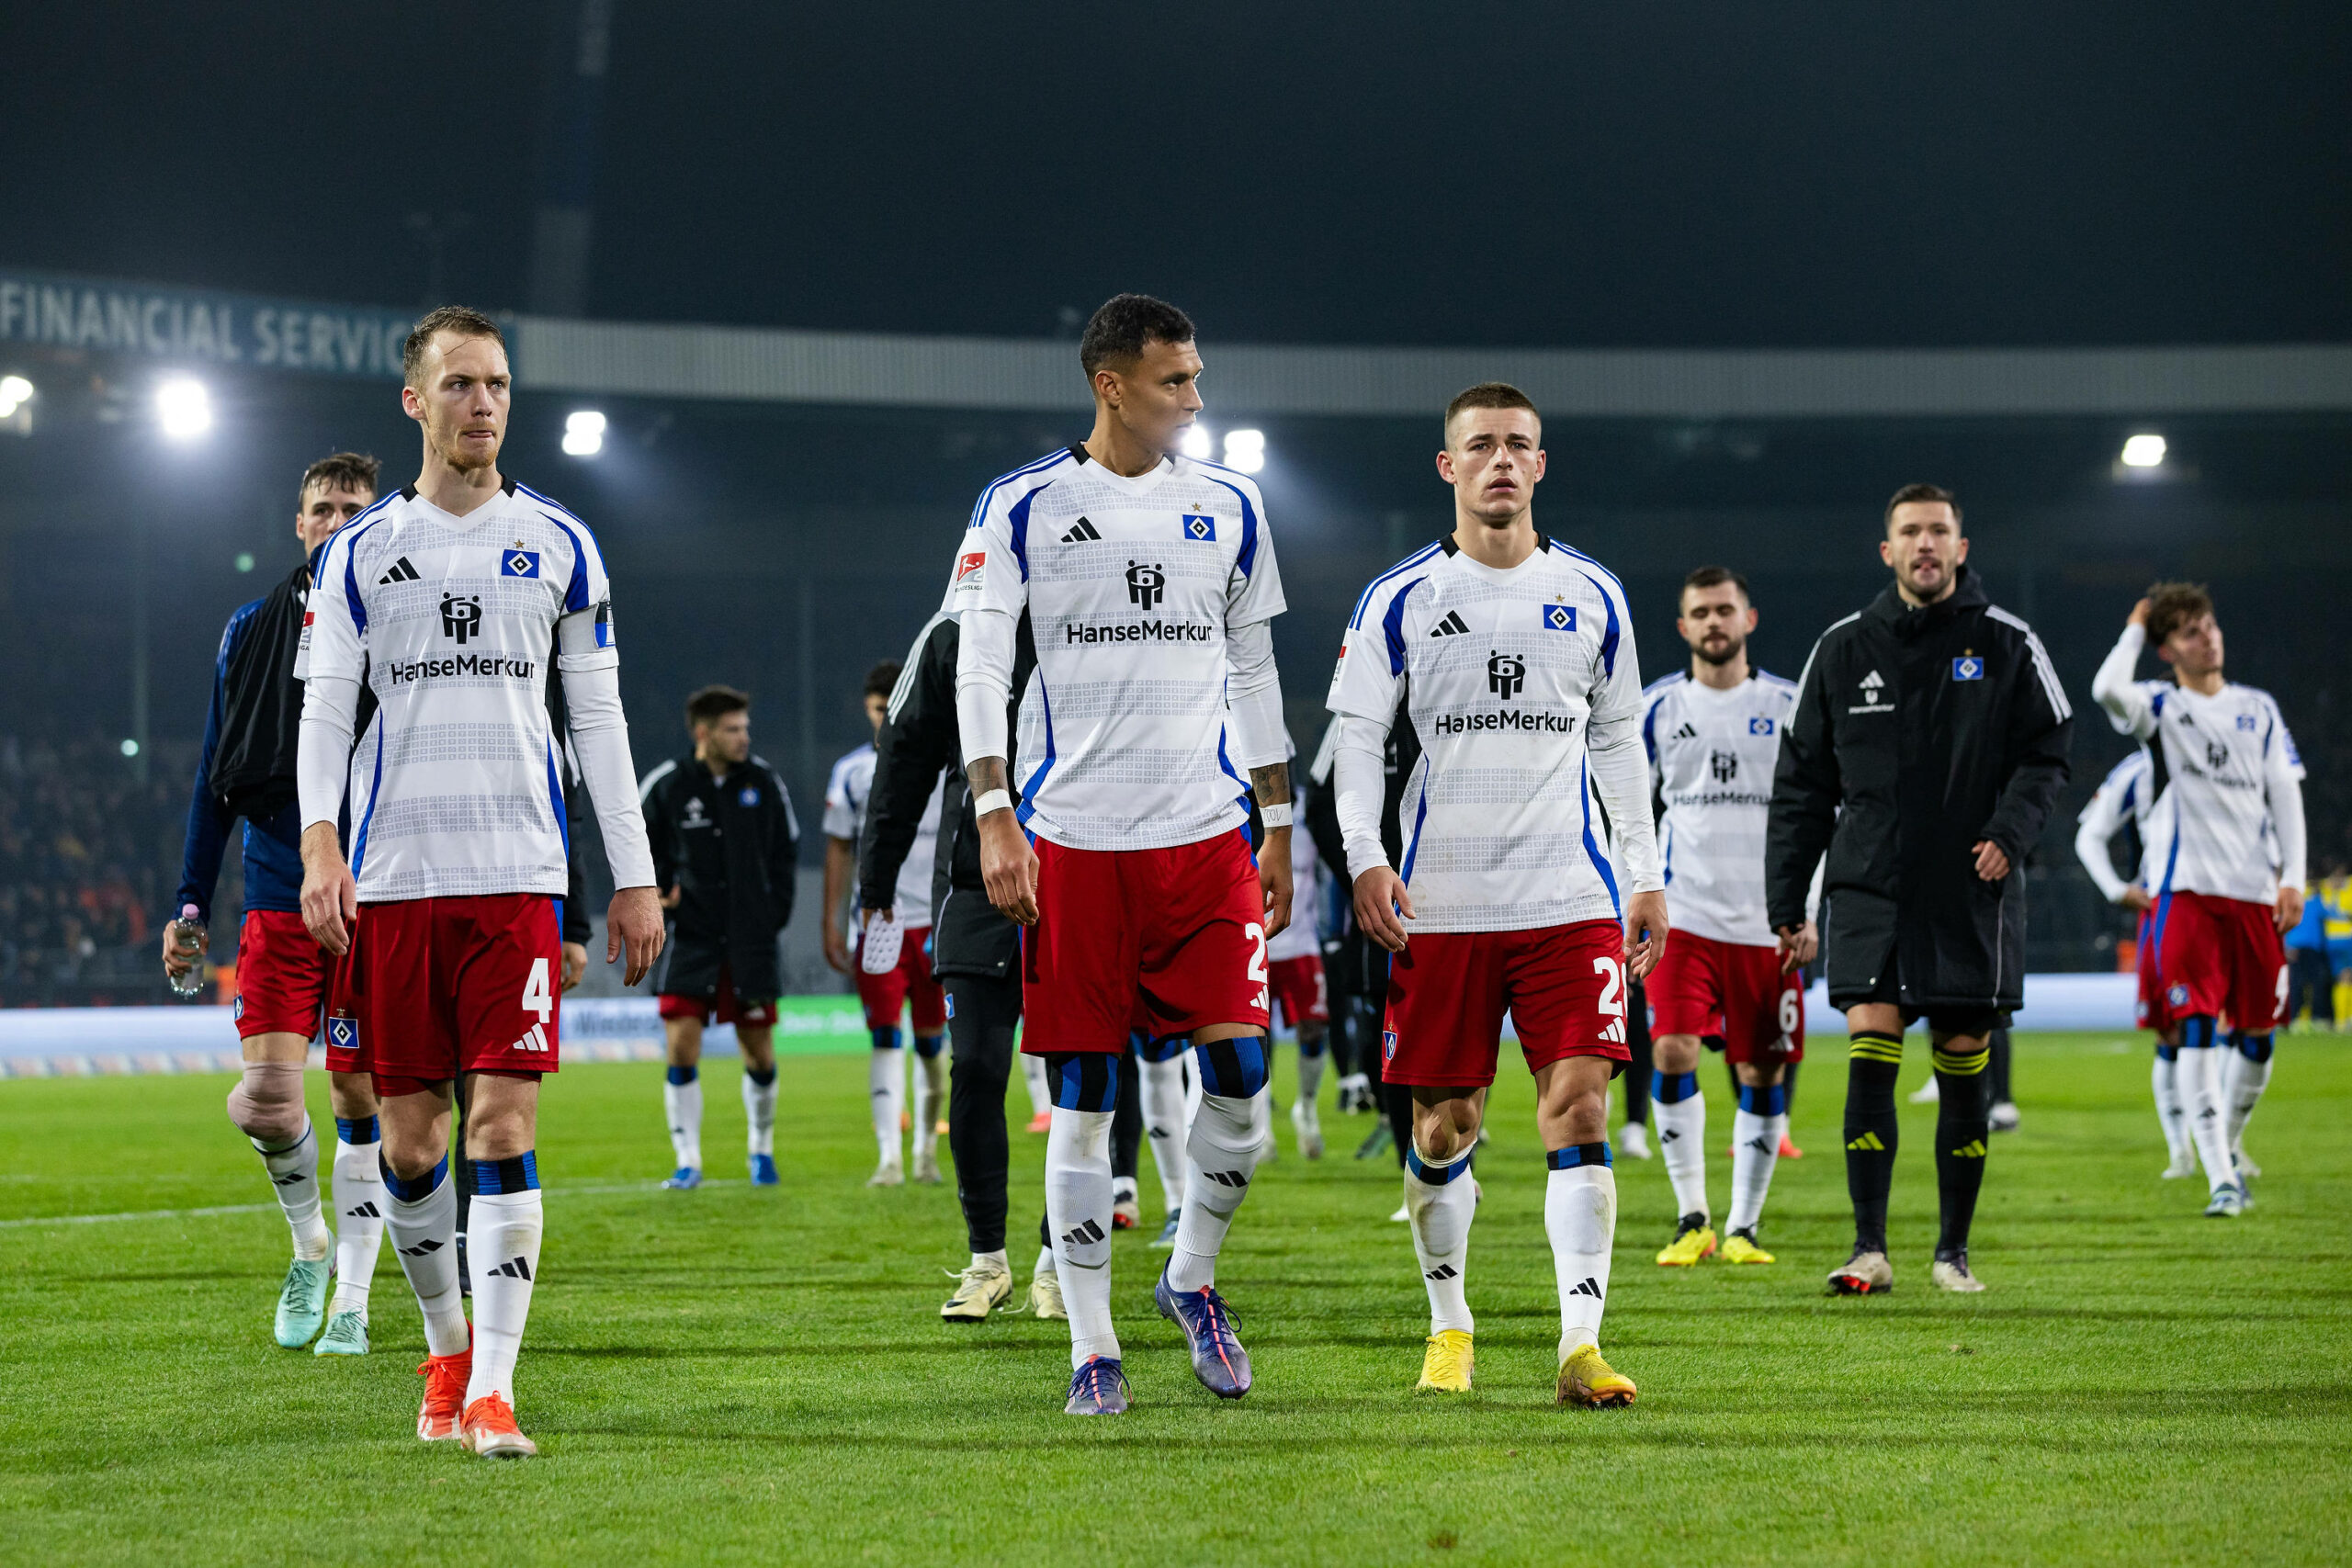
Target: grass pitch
{"x": 733, "y": 1375}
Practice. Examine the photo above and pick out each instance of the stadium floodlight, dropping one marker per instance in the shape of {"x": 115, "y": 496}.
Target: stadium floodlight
{"x": 2143, "y": 451}
{"x": 1245, "y": 450}
{"x": 1195, "y": 441}
{"x": 584, "y": 434}
{"x": 15, "y": 392}
{"x": 182, "y": 408}
{"x": 130, "y": 748}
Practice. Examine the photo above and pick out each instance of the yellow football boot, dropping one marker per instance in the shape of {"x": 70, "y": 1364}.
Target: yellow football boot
{"x": 1587, "y": 1380}
{"x": 1740, "y": 1248}
{"x": 1445, "y": 1367}
{"x": 1693, "y": 1240}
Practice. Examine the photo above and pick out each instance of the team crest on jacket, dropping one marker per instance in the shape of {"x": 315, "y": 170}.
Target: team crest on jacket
{"x": 1968, "y": 667}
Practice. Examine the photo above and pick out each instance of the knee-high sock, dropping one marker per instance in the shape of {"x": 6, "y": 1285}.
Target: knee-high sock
{"x": 1580, "y": 1218}
{"x": 759, "y": 1111}
{"x": 1997, "y": 1071}
{"x": 423, "y": 1219}
{"x": 931, "y": 1090}
{"x": 1756, "y": 1130}
{"x": 503, "y": 1252}
{"x": 294, "y": 1176}
{"x": 359, "y": 1200}
{"x": 1870, "y": 1138}
{"x": 2245, "y": 1073}
{"x": 1682, "y": 1138}
{"x": 1438, "y": 1203}
{"x": 1229, "y": 1135}
{"x": 682, "y": 1102}
{"x": 1126, "y": 1126}
{"x": 1033, "y": 1079}
{"x": 1311, "y": 1058}
{"x": 2164, "y": 1080}
{"x": 1161, "y": 1091}
{"x": 2200, "y": 1096}
{"x": 887, "y": 1080}
{"x": 1078, "y": 1211}
{"x": 1962, "y": 1126}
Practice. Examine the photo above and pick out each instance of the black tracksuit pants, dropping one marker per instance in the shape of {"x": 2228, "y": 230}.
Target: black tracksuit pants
{"x": 983, "y": 1015}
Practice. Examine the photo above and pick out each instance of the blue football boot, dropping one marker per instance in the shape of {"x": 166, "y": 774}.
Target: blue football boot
{"x": 764, "y": 1170}
{"x": 1218, "y": 1359}
{"x": 685, "y": 1179}
{"x": 1098, "y": 1388}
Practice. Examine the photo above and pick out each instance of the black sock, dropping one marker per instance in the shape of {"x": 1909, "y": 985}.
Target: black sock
{"x": 1997, "y": 1078}
{"x": 1962, "y": 1125}
{"x": 1871, "y": 1133}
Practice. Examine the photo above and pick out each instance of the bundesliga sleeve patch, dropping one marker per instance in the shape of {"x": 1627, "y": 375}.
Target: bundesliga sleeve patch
{"x": 1198, "y": 527}
{"x": 1559, "y": 617}
{"x": 519, "y": 563}
{"x": 971, "y": 571}
{"x": 1968, "y": 667}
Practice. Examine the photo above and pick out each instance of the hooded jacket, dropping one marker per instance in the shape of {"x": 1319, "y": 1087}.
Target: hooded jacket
{"x": 731, "y": 847}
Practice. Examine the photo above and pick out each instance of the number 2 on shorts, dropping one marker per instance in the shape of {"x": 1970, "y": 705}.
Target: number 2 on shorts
{"x": 1611, "y": 1004}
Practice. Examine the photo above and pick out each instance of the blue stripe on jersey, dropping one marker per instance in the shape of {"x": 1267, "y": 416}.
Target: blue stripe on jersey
{"x": 1669, "y": 877}
{"x": 375, "y": 788}
{"x": 1019, "y": 518}
{"x": 1416, "y": 558}
{"x": 555, "y": 799}
{"x": 1649, "y": 728}
{"x": 1609, "y": 637}
{"x": 2130, "y": 791}
{"x": 1421, "y": 814}
{"x": 1571, "y": 551}
{"x": 1243, "y": 800}
{"x": 980, "y": 509}
{"x": 2156, "y": 704}
{"x": 575, "y": 593}
{"x": 1028, "y": 806}
{"x": 348, "y": 537}
{"x": 1592, "y": 849}
{"x": 1248, "y": 558}
{"x": 1393, "y": 623}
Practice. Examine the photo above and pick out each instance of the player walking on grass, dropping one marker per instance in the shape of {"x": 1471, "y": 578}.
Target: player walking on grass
{"x": 1512, "y": 657}
{"x": 1712, "y": 734}
{"x": 1295, "y": 959}
{"x": 449, "y": 599}
{"x": 2221, "y": 902}
{"x": 246, "y": 769}
{"x": 1928, "y": 742}
{"x": 1148, "y": 580}
{"x": 726, "y": 851}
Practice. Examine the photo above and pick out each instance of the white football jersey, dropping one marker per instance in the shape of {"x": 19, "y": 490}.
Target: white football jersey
{"x": 1300, "y": 938}
{"x": 1712, "y": 755}
{"x": 453, "y": 622}
{"x": 1500, "y": 673}
{"x": 2223, "y": 758}
{"x": 2126, "y": 796}
{"x": 1130, "y": 585}
{"x": 846, "y": 793}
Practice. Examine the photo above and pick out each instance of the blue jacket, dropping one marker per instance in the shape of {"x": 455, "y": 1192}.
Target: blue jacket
{"x": 273, "y": 847}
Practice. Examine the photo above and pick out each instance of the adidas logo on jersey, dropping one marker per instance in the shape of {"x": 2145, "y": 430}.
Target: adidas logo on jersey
{"x": 1081, "y": 533}
{"x": 402, "y": 573}
{"x": 534, "y": 1039}
{"x": 512, "y": 1268}
{"x": 1452, "y": 626}
{"x": 1587, "y": 1286}
{"x": 1685, "y": 733}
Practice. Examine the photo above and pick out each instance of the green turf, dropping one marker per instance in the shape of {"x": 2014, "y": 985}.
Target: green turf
{"x": 733, "y": 1375}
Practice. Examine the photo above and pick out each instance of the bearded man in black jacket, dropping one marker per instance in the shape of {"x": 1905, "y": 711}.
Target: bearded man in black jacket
{"x": 1928, "y": 743}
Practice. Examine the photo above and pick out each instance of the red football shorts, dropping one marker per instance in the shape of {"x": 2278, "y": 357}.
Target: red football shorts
{"x": 1181, "y": 928}
{"x": 909, "y": 982}
{"x": 1563, "y": 986}
{"x": 1731, "y": 990}
{"x": 724, "y": 1007}
{"x": 2221, "y": 955}
{"x": 2154, "y": 1014}
{"x": 441, "y": 986}
{"x": 1298, "y": 990}
{"x": 343, "y": 1028}
{"x": 281, "y": 976}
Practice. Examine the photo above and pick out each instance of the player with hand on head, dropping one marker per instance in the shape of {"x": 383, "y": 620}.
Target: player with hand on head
{"x": 450, "y": 598}
{"x": 726, "y": 852}
{"x": 1512, "y": 657}
{"x": 1712, "y": 733}
{"x": 1149, "y": 583}
{"x": 246, "y": 769}
{"x": 2223, "y": 903}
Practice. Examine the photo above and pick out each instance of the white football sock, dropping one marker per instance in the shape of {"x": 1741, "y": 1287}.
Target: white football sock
{"x": 886, "y": 1079}
{"x": 759, "y": 1112}
{"x": 294, "y": 1175}
{"x": 1683, "y": 1139}
{"x": 1192, "y": 1092}
{"x": 1310, "y": 1075}
{"x": 1045, "y": 1264}
{"x": 2201, "y": 1072}
{"x": 1439, "y": 1202}
{"x": 359, "y": 1202}
{"x": 1078, "y": 1211}
{"x": 1580, "y": 1216}
{"x": 682, "y": 1102}
{"x": 1220, "y": 1157}
{"x": 2243, "y": 1081}
{"x": 1033, "y": 1076}
{"x": 503, "y": 1252}
{"x": 425, "y": 1234}
{"x": 1162, "y": 1091}
{"x": 2165, "y": 1081}
{"x": 1755, "y": 1150}
{"x": 931, "y": 1095}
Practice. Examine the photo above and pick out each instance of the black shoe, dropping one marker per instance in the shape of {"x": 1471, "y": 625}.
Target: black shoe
{"x": 1382, "y": 1140}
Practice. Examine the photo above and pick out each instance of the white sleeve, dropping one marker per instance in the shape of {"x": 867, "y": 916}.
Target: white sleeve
{"x": 2283, "y": 771}
{"x": 1254, "y": 695}
{"x": 1360, "y": 785}
{"x": 984, "y": 683}
{"x": 322, "y": 746}
{"x": 2126, "y": 704}
{"x": 600, "y": 741}
{"x": 840, "y": 821}
{"x": 1254, "y": 593}
{"x": 1621, "y": 765}
{"x": 2102, "y": 819}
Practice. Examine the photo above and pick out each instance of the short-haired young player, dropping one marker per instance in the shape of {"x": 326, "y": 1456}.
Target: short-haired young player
{"x": 450, "y": 598}
{"x": 726, "y": 851}
{"x": 1150, "y": 583}
{"x": 1511, "y": 655}
{"x": 2123, "y": 804}
{"x": 246, "y": 769}
{"x": 1712, "y": 733}
{"x": 2221, "y": 901}
{"x": 898, "y": 983}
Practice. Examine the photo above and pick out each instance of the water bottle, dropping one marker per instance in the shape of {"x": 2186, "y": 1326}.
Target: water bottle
{"x": 188, "y": 942}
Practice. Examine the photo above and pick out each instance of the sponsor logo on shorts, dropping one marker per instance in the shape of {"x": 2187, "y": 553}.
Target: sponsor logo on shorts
{"x": 343, "y": 1033}
{"x": 493, "y": 665}
{"x": 1512, "y": 720}
{"x": 461, "y": 619}
{"x": 533, "y": 1039}
{"x": 2177, "y": 995}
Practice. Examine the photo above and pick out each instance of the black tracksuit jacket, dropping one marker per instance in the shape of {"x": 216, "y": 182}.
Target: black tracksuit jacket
{"x": 1916, "y": 733}
{"x": 731, "y": 848}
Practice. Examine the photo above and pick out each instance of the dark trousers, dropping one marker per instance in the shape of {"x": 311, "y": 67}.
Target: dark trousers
{"x": 1127, "y": 1118}
{"x": 1636, "y": 1078}
{"x": 2309, "y": 985}
{"x": 983, "y": 1017}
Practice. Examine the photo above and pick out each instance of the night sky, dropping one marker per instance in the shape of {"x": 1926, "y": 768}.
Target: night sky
{"x": 1623, "y": 175}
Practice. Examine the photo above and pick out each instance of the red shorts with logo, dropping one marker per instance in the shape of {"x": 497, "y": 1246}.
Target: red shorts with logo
{"x": 343, "y": 1028}
{"x": 281, "y": 976}
{"x": 2152, "y": 1012}
{"x": 2221, "y": 955}
{"x": 1182, "y": 930}
{"x": 440, "y": 987}
{"x": 1563, "y": 986}
{"x": 909, "y": 981}
{"x": 1299, "y": 989}
{"x": 724, "y": 1007}
{"x": 1731, "y": 990}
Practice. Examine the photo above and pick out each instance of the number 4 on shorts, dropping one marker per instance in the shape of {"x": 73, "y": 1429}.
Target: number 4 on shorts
{"x": 539, "y": 997}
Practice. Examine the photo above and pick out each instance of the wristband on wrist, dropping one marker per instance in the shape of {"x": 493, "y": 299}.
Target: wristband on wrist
{"x": 994, "y": 800}
{"x": 1275, "y": 816}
